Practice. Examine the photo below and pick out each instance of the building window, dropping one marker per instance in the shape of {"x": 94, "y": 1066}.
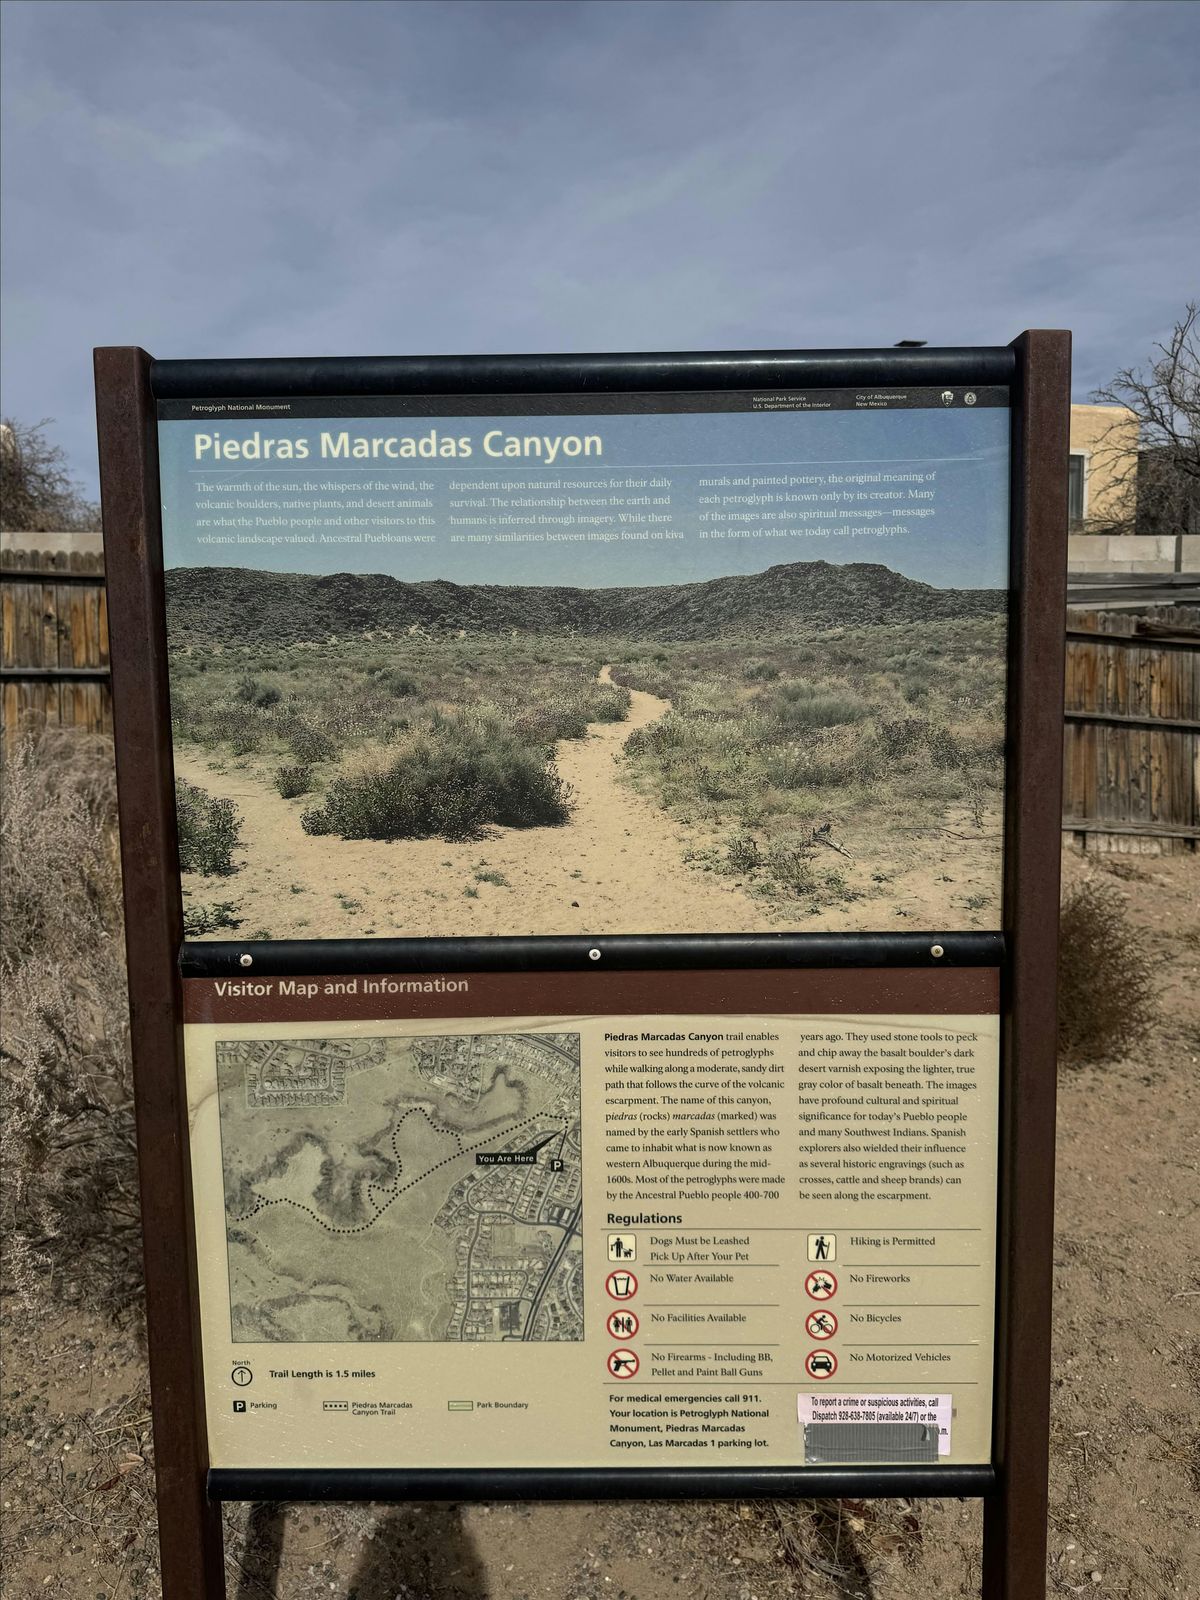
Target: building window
{"x": 1076, "y": 469}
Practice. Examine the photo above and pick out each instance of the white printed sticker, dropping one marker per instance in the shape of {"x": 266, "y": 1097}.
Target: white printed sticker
{"x": 930, "y": 1410}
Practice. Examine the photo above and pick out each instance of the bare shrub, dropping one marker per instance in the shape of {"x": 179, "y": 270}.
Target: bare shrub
{"x": 1107, "y": 995}
{"x": 69, "y": 1201}
{"x": 38, "y": 493}
{"x": 58, "y": 836}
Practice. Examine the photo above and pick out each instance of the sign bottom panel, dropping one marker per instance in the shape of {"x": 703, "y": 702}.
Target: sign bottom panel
{"x": 760, "y": 1233}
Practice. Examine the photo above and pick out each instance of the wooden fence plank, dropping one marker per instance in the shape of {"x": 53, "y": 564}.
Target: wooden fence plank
{"x": 55, "y": 621}
{"x": 1131, "y": 741}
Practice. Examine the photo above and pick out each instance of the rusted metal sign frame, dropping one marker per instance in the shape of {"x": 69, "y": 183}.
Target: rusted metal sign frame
{"x": 1037, "y": 369}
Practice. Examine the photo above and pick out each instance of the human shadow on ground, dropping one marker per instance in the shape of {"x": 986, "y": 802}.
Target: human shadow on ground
{"x": 262, "y": 1552}
{"x": 418, "y": 1553}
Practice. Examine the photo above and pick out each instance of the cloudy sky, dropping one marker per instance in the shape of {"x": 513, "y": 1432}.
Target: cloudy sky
{"x": 270, "y": 178}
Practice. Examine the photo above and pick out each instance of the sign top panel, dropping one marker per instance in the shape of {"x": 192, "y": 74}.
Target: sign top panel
{"x": 670, "y": 662}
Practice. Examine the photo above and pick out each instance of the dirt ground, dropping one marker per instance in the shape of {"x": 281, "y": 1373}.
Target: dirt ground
{"x": 619, "y": 866}
{"x": 1125, "y": 1511}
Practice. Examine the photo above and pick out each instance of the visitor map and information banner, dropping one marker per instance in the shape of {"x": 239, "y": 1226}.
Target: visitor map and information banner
{"x": 758, "y": 1229}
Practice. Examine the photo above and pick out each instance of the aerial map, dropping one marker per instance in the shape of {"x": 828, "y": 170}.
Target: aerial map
{"x": 424, "y": 1188}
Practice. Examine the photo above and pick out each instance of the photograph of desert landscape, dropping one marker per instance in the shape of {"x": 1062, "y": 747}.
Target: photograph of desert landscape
{"x": 807, "y": 747}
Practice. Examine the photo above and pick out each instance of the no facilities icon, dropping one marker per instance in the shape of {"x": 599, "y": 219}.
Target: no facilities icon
{"x": 622, "y": 1324}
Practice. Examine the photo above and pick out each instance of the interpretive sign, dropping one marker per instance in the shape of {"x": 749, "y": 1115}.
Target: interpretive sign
{"x": 590, "y": 830}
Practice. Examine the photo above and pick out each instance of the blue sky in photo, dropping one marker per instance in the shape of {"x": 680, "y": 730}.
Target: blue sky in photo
{"x": 248, "y": 178}
{"x": 963, "y": 544}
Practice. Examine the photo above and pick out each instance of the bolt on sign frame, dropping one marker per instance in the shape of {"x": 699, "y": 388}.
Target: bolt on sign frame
{"x": 1021, "y": 954}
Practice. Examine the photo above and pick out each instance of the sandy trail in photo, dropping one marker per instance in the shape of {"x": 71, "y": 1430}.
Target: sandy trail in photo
{"x": 617, "y": 867}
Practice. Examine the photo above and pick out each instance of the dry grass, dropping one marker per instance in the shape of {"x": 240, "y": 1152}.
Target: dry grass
{"x": 1107, "y": 996}
{"x": 69, "y": 1202}
{"x": 878, "y": 730}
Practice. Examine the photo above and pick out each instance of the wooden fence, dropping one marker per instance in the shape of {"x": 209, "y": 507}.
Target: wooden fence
{"x": 1131, "y": 775}
{"x": 54, "y": 667}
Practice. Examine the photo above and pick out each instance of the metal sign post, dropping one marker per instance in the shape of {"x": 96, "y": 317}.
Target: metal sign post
{"x": 618, "y": 1119}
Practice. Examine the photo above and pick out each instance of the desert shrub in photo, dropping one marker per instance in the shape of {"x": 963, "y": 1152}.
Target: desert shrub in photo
{"x": 68, "y": 1206}
{"x": 262, "y": 695}
{"x": 760, "y": 672}
{"x": 239, "y": 724}
{"x": 1107, "y": 995}
{"x": 309, "y": 743}
{"x": 608, "y": 702}
{"x": 400, "y": 685}
{"x": 209, "y": 831}
{"x": 790, "y": 866}
{"x": 742, "y": 853}
{"x": 546, "y": 725}
{"x": 804, "y": 705}
{"x": 659, "y": 738}
{"x": 450, "y": 784}
{"x": 200, "y": 918}
{"x": 293, "y": 780}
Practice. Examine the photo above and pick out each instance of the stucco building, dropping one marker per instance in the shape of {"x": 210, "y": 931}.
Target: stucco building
{"x": 1104, "y": 461}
